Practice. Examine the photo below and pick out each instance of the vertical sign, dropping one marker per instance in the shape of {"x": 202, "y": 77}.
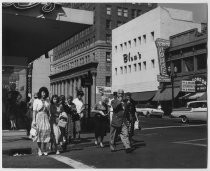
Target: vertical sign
{"x": 162, "y": 44}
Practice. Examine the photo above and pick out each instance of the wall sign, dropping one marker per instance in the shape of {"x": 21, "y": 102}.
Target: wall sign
{"x": 162, "y": 44}
{"x": 129, "y": 58}
{"x": 105, "y": 90}
{"x": 188, "y": 86}
{"x": 200, "y": 83}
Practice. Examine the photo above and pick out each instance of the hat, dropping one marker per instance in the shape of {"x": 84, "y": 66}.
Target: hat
{"x": 120, "y": 91}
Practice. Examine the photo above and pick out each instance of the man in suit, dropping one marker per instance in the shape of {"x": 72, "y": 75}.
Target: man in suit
{"x": 119, "y": 123}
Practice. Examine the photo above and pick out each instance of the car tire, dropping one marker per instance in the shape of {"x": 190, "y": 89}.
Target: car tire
{"x": 184, "y": 119}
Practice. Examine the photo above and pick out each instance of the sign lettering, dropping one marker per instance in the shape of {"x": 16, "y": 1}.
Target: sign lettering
{"x": 188, "y": 86}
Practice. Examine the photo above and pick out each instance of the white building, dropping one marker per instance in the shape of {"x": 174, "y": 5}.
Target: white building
{"x": 136, "y": 40}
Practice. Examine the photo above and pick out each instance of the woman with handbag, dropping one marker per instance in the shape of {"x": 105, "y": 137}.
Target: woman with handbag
{"x": 101, "y": 120}
{"x": 41, "y": 120}
{"x": 54, "y": 119}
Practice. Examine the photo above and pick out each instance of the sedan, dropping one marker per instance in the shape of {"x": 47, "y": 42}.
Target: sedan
{"x": 148, "y": 112}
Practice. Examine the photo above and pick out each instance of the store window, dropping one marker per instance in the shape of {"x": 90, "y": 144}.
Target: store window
{"x": 108, "y": 81}
{"x": 189, "y": 64}
{"x": 201, "y": 61}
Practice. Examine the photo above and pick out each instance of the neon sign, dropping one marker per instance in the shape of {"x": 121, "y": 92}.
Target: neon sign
{"x": 46, "y": 7}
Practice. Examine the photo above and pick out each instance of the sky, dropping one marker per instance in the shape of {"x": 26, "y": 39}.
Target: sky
{"x": 199, "y": 9}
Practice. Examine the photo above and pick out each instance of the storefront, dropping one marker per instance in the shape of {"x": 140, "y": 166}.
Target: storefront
{"x": 30, "y": 30}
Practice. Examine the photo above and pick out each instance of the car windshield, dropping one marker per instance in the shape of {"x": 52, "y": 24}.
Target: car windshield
{"x": 197, "y": 105}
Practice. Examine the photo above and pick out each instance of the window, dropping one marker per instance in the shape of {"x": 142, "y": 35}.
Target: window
{"x": 125, "y": 45}
{"x": 133, "y": 13}
{"x": 153, "y": 63}
{"x": 125, "y": 69}
{"x": 139, "y": 38}
{"x": 108, "y": 24}
{"x": 129, "y": 42}
{"x": 121, "y": 70}
{"x": 145, "y": 65}
{"x": 125, "y": 12}
{"x": 115, "y": 48}
{"x": 129, "y": 66}
{"x": 108, "y": 10}
{"x": 201, "y": 61}
{"x": 108, "y": 38}
{"x": 119, "y": 23}
{"x": 108, "y": 81}
{"x": 178, "y": 65}
{"x": 119, "y": 11}
{"x": 189, "y": 64}
{"x": 134, "y": 42}
{"x": 144, "y": 36}
{"x": 115, "y": 71}
{"x": 139, "y": 64}
{"x": 152, "y": 36}
{"x": 108, "y": 57}
{"x": 134, "y": 66}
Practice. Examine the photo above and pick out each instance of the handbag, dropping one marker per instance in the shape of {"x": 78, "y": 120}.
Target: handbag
{"x": 137, "y": 125}
{"x": 116, "y": 121}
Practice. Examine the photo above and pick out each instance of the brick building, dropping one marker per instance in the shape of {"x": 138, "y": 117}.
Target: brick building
{"x": 188, "y": 53}
{"x": 85, "y": 59}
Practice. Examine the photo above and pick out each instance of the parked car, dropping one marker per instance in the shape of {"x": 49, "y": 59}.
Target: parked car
{"x": 149, "y": 110}
{"x": 194, "y": 110}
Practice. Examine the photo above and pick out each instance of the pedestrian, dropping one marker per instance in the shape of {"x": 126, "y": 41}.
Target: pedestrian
{"x": 41, "y": 120}
{"x": 110, "y": 106}
{"x": 64, "y": 118}
{"x": 12, "y": 105}
{"x": 100, "y": 120}
{"x": 80, "y": 113}
{"x": 73, "y": 112}
{"x": 55, "y": 111}
{"x": 131, "y": 116}
{"x": 118, "y": 124}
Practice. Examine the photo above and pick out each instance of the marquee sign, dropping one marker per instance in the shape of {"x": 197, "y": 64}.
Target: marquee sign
{"x": 162, "y": 44}
{"x": 46, "y": 7}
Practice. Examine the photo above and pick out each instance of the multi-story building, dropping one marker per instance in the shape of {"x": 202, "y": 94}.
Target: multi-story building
{"x": 135, "y": 63}
{"x": 85, "y": 59}
{"x": 188, "y": 53}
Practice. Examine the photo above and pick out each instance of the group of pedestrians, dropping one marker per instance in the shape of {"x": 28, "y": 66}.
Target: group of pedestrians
{"x": 122, "y": 113}
{"x": 59, "y": 120}
{"x": 56, "y": 122}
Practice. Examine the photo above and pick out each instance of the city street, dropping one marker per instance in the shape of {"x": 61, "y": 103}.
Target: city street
{"x": 162, "y": 143}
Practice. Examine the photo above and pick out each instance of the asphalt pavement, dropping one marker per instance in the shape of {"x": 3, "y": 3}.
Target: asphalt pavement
{"x": 162, "y": 143}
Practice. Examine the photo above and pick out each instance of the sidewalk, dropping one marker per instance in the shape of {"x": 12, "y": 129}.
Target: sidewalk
{"x": 17, "y": 141}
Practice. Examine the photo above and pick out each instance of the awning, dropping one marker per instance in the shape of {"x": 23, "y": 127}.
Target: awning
{"x": 143, "y": 96}
{"x": 203, "y": 97}
{"x": 166, "y": 94}
{"x": 196, "y": 95}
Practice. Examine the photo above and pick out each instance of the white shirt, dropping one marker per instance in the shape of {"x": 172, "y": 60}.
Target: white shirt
{"x": 79, "y": 105}
{"x": 37, "y": 104}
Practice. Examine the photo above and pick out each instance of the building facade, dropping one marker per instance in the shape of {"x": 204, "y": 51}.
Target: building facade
{"x": 85, "y": 59}
{"x": 135, "y": 63}
{"x": 188, "y": 53}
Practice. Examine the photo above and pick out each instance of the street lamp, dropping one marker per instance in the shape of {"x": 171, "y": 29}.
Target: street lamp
{"x": 172, "y": 74}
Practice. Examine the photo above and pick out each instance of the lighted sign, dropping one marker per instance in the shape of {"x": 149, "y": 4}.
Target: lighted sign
{"x": 162, "y": 44}
{"x": 129, "y": 58}
{"x": 46, "y": 8}
{"x": 200, "y": 83}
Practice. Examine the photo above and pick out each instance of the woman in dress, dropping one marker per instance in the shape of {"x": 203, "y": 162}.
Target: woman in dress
{"x": 101, "y": 120}
{"x": 54, "y": 118}
{"x": 41, "y": 120}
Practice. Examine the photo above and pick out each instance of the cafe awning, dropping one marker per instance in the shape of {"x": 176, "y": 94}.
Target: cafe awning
{"x": 29, "y": 32}
{"x": 166, "y": 94}
{"x": 143, "y": 96}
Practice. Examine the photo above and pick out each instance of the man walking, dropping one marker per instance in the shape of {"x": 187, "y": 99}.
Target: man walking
{"x": 118, "y": 124}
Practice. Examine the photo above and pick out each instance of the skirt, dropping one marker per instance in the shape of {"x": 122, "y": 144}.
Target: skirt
{"x": 43, "y": 127}
{"x": 100, "y": 125}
